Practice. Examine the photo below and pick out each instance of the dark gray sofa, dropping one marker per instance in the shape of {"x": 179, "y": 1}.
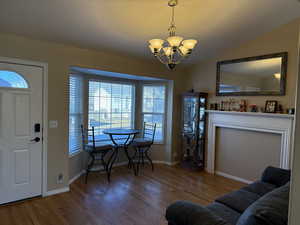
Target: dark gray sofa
{"x": 264, "y": 202}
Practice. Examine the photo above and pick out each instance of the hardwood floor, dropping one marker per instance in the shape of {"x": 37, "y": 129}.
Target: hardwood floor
{"x": 127, "y": 200}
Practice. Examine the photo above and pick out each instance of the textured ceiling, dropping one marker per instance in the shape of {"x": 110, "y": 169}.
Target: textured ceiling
{"x": 125, "y": 26}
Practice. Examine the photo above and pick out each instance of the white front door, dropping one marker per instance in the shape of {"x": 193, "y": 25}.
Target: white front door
{"x": 21, "y": 117}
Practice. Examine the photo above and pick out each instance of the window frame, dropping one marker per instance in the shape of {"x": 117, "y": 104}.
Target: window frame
{"x": 164, "y": 125}
{"x": 21, "y": 76}
{"x": 112, "y": 81}
{"x": 79, "y": 150}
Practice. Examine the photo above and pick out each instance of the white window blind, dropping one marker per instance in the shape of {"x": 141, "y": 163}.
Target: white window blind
{"x": 154, "y": 108}
{"x": 110, "y": 106}
{"x": 75, "y": 113}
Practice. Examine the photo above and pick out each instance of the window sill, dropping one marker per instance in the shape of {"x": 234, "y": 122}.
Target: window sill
{"x": 75, "y": 153}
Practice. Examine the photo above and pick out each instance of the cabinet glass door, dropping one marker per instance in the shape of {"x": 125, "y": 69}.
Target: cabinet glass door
{"x": 202, "y": 117}
{"x": 193, "y": 130}
{"x": 190, "y": 106}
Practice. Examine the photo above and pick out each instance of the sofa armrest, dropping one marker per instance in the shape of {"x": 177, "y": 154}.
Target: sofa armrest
{"x": 187, "y": 213}
{"x": 276, "y": 176}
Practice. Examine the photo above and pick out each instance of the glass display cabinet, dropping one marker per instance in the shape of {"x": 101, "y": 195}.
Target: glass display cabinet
{"x": 193, "y": 129}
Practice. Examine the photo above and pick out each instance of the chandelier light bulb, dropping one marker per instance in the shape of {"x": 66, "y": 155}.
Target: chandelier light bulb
{"x": 156, "y": 43}
{"x": 151, "y": 49}
{"x": 189, "y": 44}
{"x": 174, "y": 41}
{"x": 184, "y": 51}
{"x": 168, "y": 51}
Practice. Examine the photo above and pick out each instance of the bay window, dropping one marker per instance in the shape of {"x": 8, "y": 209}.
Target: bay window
{"x": 75, "y": 113}
{"x": 153, "y": 109}
{"x": 110, "y": 106}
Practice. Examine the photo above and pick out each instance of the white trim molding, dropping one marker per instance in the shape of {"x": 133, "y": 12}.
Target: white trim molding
{"x": 233, "y": 177}
{"x": 116, "y": 165}
{"x": 66, "y": 189}
{"x": 76, "y": 177}
{"x": 262, "y": 122}
{"x": 165, "y": 162}
{"x": 57, "y": 191}
{"x": 123, "y": 164}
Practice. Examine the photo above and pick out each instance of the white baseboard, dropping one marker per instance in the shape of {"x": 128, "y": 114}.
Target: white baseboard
{"x": 174, "y": 163}
{"x": 165, "y": 162}
{"x": 154, "y": 162}
{"x": 83, "y": 172}
{"x": 76, "y": 177}
{"x": 66, "y": 189}
{"x": 57, "y": 191}
{"x": 234, "y": 177}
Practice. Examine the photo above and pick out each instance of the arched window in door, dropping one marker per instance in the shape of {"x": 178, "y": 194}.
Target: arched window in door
{"x": 12, "y": 79}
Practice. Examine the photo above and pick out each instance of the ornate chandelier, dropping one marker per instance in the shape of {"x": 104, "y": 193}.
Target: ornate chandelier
{"x": 175, "y": 49}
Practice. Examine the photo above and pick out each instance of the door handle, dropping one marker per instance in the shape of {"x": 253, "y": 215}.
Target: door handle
{"x": 36, "y": 139}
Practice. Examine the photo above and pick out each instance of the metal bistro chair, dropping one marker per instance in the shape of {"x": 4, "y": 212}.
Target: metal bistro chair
{"x": 96, "y": 148}
{"x": 142, "y": 145}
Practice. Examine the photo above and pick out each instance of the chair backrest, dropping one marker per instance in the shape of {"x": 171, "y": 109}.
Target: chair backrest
{"x": 149, "y": 131}
{"x": 88, "y": 136}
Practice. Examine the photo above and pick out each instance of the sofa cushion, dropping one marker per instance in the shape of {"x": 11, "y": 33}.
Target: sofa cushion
{"x": 188, "y": 213}
{"x": 271, "y": 209}
{"x": 238, "y": 200}
{"x": 276, "y": 176}
{"x": 229, "y": 215}
{"x": 259, "y": 187}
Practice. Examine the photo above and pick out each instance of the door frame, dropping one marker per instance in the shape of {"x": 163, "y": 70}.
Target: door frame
{"x": 44, "y": 66}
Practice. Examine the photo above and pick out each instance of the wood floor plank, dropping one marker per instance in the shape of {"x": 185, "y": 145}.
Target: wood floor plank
{"x": 127, "y": 200}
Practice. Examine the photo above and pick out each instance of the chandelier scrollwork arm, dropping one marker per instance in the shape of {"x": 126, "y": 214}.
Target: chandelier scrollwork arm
{"x": 160, "y": 58}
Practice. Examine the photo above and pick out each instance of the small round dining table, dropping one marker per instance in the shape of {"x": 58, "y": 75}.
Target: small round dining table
{"x": 121, "y": 138}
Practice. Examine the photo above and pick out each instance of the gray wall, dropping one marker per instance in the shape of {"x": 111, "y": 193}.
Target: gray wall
{"x": 245, "y": 154}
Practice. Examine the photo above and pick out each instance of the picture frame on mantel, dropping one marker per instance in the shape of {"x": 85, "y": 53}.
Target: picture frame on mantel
{"x": 271, "y": 106}
{"x": 243, "y": 77}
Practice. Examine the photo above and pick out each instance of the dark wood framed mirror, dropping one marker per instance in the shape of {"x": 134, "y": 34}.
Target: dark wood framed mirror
{"x": 253, "y": 76}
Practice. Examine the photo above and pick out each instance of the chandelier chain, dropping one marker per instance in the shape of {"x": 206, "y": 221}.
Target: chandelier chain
{"x": 173, "y": 16}
{"x": 172, "y": 28}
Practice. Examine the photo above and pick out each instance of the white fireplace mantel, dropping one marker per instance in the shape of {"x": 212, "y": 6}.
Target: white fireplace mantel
{"x": 262, "y": 122}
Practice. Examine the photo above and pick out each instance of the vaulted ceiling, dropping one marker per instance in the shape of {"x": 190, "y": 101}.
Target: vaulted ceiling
{"x": 125, "y": 26}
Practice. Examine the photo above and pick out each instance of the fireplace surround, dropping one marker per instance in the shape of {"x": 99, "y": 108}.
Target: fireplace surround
{"x": 281, "y": 124}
